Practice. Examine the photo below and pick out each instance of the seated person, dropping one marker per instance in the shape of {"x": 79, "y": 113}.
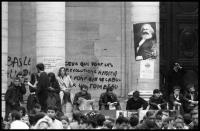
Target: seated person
{"x": 108, "y": 100}
{"x": 156, "y": 101}
{"x": 136, "y": 102}
{"x": 176, "y": 99}
{"x": 190, "y": 98}
{"x": 82, "y": 99}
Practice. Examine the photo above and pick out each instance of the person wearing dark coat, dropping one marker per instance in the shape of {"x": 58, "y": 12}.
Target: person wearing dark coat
{"x": 176, "y": 99}
{"x": 22, "y": 85}
{"x": 13, "y": 97}
{"x": 82, "y": 94}
{"x": 156, "y": 101}
{"x": 190, "y": 99}
{"x": 42, "y": 89}
{"x": 175, "y": 77}
{"x": 136, "y": 102}
{"x": 53, "y": 92}
{"x": 32, "y": 98}
{"x": 107, "y": 98}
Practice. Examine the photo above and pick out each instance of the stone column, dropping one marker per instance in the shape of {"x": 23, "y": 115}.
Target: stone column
{"x": 4, "y": 27}
{"x": 50, "y": 35}
{"x": 145, "y": 12}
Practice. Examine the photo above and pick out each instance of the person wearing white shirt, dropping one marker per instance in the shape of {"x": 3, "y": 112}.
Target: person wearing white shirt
{"x": 16, "y": 121}
{"x": 66, "y": 85}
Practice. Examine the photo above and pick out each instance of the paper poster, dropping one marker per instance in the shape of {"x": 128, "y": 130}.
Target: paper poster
{"x": 145, "y": 40}
{"x": 53, "y": 63}
{"x": 147, "y": 69}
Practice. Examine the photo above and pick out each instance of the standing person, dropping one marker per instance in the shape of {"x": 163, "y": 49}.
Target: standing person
{"x": 13, "y": 97}
{"x": 32, "y": 98}
{"x": 108, "y": 100}
{"x": 22, "y": 85}
{"x": 26, "y": 75}
{"x": 66, "y": 85}
{"x": 53, "y": 98}
{"x": 82, "y": 100}
{"x": 136, "y": 102}
{"x": 175, "y": 77}
{"x": 43, "y": 84}
{"x": 156, "y": 101}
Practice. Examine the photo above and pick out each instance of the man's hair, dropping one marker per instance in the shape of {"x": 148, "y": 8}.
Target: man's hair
{"x": 37, "y": 105}
{"x": 23, "y": 110}
{"x": 17, "y": 78}
{"x": 150, "y": 113}
{"x": 156, "y": 91}
{"x": 109, "y": 89}
{"x": 76, "y": 115}
{"x": 40, "y": 66}
{"x": 19, "y": 74}
{"x": 52, "y": 108}
{"x": 83, "y": 86}
{"x": 59, "y": 71}
{"x": 133, "y": 121}
{"x": 64, "y": 118}
{"x": 121, "y": 120}
{"x": 33, "y": 118}
{"x": 136, "y": 94}
{"x": 100, "y": 119}
{"x": 16, "y": 115}
{"x": 150, "y": 28}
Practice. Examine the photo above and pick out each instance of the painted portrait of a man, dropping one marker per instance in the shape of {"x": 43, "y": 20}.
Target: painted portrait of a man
{"x": 145, "y": 40}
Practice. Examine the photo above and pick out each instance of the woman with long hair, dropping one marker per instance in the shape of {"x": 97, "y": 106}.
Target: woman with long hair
{"x": 65, "y": 94}
{"x": 32, "y": 98}
{"x": 53, "y": 98}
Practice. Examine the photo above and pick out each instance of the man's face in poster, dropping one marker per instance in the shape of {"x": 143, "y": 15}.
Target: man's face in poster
{"x": 147, "y": 31}
{"x": 145, "y": 41}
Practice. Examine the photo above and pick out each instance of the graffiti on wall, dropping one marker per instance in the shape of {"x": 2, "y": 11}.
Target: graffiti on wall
{"x": 17, "y": 64}
{"x": 96, "y": 75}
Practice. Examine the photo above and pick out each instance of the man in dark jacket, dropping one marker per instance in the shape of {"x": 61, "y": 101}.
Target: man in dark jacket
{"x": 22, "y": 85}
{"x": 136, "y": 102}
{"x": 175, "y": 77}
{"x": 156, "y": 101}
{"x": 43, "y": 84}
{"x": 82, "y": 96}
{"x": 109, "y": 99}
{"x": 176, "y": 99}
{"x": 190, "y": 98}
{"x": 13, "y": 97}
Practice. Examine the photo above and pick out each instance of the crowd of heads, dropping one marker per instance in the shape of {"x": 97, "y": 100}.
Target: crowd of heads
{"x": 95, "y": 119}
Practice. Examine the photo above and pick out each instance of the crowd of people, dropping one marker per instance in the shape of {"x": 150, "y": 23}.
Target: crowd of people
{"x": 52, "y": 105}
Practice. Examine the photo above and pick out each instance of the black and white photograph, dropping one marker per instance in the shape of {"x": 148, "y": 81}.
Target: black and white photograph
{"x": 89, "y": 65}
{"x": 145, "y": 40}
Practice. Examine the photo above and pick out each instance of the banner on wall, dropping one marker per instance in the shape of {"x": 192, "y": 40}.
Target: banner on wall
{"x": 145, "y": 41}
{"x": 147, "y": 69}
{"x": 52, "y": 64}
